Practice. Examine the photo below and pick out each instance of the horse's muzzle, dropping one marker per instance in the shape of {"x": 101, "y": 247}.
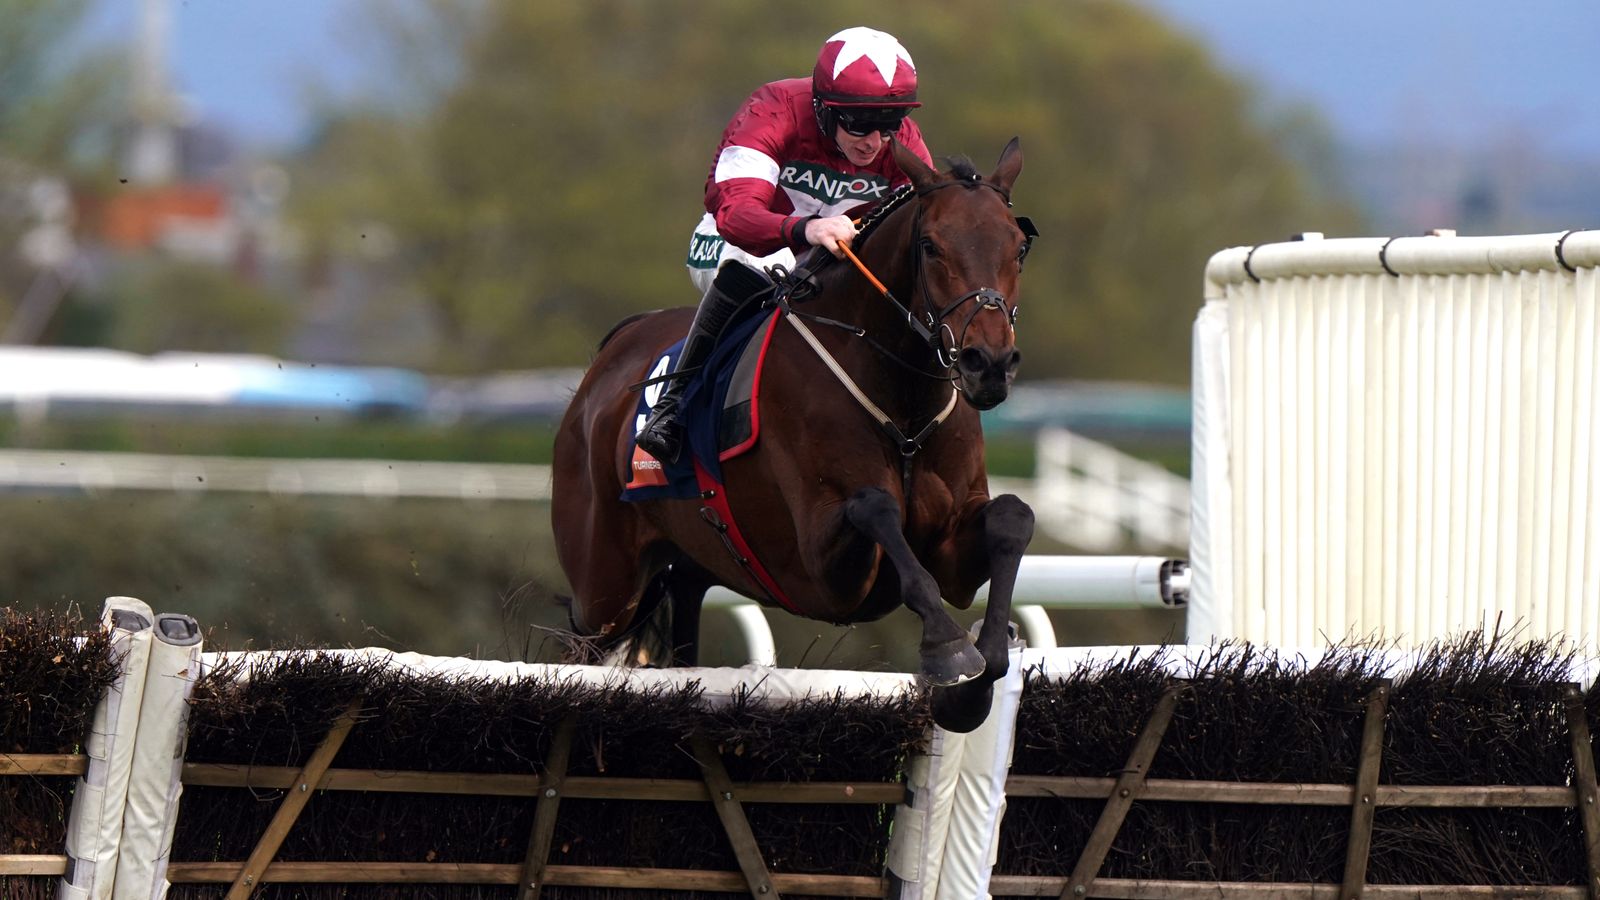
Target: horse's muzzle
{"x": 986, "y": 378}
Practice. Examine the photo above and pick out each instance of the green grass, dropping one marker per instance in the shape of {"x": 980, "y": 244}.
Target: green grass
{"x": 1009, "y": 455}
{"x": 434, "y": 576}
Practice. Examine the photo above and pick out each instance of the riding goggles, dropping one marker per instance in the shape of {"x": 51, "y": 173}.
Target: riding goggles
{"x": 862, "y": 122}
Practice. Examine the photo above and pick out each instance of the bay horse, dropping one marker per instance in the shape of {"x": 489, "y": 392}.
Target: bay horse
{"x": 848, "y": 516}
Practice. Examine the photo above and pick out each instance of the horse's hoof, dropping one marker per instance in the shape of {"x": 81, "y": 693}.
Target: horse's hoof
{"x": 963, "y": 707}
{"x": 952, "y": 663}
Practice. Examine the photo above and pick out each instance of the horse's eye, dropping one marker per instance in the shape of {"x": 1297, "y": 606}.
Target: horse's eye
{"x": 1022, "y": 254}
{"x": 929, "y": 248}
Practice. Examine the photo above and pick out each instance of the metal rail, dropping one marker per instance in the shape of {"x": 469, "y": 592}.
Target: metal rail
{"x": 1043, "y": 583}
{"x": 1084, "y": 494}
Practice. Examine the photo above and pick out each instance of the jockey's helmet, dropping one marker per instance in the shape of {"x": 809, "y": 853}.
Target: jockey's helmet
{"x": 864, "y": 80}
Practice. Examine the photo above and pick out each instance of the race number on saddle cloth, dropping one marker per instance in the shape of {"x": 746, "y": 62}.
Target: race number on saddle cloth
{"x": 719, "y": 410}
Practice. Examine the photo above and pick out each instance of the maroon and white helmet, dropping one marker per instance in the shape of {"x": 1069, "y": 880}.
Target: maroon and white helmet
{"x": 864, "y": 67}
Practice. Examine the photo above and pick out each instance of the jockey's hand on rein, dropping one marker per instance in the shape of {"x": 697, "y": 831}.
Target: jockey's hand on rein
{"x": 829, "y": 232}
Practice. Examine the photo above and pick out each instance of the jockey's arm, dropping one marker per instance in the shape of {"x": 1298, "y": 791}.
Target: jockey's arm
{"x": 759, "y": 231}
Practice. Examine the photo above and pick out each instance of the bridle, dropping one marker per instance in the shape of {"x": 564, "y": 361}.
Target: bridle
{"x": 932, "y": 328}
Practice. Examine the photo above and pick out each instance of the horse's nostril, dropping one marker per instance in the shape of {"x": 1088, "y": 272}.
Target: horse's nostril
{"x": 1014, "y": 360}
{"x": 973, "y": 359}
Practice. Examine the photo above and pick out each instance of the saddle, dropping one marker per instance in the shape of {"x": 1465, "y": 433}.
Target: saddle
{"x": 720, "y": 411}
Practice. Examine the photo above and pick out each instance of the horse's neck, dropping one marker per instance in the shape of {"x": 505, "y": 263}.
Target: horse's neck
{"x": 846, "y": 293}
{"x": 848, "y": 297}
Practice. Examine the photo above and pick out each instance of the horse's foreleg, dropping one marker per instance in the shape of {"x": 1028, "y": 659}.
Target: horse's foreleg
{"x": 1007, "y": 530}
{"x": 948, "y": 657}
{"x": 1004, "y": 526}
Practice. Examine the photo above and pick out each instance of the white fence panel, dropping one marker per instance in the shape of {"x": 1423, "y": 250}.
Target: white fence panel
{"x": 1397, "y": 438}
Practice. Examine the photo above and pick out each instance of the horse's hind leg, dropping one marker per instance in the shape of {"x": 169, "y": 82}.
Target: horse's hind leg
{"x": 948, "y": 657}
{"x": 600, "y": 550}
{"x": 687, "y": 583}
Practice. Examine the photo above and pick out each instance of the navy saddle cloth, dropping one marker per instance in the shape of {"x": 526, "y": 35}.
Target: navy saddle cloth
{"x": 717, "y": 411}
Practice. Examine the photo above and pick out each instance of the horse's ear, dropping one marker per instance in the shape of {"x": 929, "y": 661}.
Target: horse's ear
{"x": 912, "y": 165}
{"x": 1010, "y": 166}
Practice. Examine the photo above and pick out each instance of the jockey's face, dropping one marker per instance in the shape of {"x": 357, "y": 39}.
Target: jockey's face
{"x": 860, "y": 150}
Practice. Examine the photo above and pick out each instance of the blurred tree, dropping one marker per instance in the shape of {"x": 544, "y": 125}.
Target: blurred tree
{"x": 163, "y": 305}
{"x": 544, "y": 181}
{"x": 1143, "y": 159}
{"x": 55, "y": 98}
{"x": 51, "y": 92}
{"x": 549, "y": 189}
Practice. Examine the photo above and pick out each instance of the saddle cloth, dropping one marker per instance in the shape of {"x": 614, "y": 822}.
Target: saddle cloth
{"x": 719, "y": 410}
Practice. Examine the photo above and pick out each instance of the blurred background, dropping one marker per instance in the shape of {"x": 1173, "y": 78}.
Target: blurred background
{"x": 293, "y": 291}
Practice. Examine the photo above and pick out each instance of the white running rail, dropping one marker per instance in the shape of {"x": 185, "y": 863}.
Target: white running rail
{"x": 84, "y": 471}
{"x": 1099, "y": 499}
{"x": 1043, "y": 583}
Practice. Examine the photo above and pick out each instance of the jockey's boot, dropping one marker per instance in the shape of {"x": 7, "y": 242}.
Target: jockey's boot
{"x": 735, "y": 284}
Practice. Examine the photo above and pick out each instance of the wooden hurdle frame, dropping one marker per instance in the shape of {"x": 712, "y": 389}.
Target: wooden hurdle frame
{"x": 1132, "y": 785}
{"x": 35, "y": 765}
{"x": 1363, "y": 798}
{"x": 535, "y": 872}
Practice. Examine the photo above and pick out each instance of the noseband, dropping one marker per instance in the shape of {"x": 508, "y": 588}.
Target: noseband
{"x": 932, "y": 328}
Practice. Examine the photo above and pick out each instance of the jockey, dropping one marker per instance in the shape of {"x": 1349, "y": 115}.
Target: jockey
{"x": 794, "y": 161}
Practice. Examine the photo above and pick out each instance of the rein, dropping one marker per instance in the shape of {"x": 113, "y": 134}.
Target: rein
{"x": 932, "y": 329}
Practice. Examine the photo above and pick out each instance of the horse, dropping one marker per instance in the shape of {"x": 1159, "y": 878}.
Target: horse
{"x": 850, "y": 518}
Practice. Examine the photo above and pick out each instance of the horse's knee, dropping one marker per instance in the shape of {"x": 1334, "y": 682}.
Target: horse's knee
{"x": 1010, "y": 509}
{"x": 1008, "y": 525}
{"x": 872, "y": 506}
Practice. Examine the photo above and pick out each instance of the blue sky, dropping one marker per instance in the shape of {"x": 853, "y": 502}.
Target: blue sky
{"x": 254, "y": 65}
{"x": 1379, "y": 70}
{"x": 1413, "y": 69}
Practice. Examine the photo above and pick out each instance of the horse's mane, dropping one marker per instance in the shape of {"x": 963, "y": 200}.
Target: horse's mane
{"x": 962, "y": 168}
{"x": 871, "y": 221}
{"x": 958, "y": 166}
{"x": 619, "y": 326}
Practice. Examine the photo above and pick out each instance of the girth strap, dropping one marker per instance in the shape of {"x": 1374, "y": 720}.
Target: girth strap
{"x": 719, "y": 515}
